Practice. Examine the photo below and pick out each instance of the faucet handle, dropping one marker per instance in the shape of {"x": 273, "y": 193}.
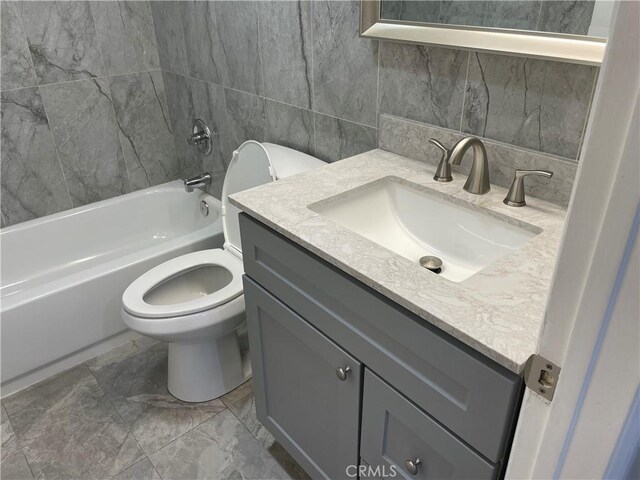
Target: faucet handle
{"x": 515, "y": 197}
{"x": 443, "y": 172}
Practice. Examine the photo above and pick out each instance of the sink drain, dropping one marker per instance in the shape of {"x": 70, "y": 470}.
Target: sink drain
{"x": 431, "y": 263}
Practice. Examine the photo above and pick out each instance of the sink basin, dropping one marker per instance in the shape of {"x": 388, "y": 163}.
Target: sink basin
{"x": 414, "y": 223}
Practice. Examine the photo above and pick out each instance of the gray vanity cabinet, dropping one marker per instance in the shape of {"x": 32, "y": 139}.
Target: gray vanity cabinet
{"x": 423, "y": 390}
{"x": 307, "y": 388}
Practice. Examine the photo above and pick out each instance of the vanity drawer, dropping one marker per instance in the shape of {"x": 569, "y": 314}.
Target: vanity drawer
{"x": 471, "y": 395}
{"x": 395, "y": 431}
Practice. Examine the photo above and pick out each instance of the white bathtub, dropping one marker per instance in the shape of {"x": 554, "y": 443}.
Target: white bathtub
{"x": 62, "y": 276}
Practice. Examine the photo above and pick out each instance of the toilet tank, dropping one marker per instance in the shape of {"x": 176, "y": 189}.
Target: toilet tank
{"x": 287, "y": 161}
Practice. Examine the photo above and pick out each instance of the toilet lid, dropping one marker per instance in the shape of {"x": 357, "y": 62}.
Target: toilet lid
{"x": 250, "y": 167}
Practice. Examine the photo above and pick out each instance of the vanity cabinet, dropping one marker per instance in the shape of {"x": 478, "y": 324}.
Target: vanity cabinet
{"x": 411, "y": 386}
{"x": 307, "y": 389}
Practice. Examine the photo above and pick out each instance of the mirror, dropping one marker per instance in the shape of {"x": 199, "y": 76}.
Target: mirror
{"x": 576, "y": 17}
{"x": 565, "y": 30}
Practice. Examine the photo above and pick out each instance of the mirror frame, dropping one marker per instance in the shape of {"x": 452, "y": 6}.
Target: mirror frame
{"x": 545, "y": 45}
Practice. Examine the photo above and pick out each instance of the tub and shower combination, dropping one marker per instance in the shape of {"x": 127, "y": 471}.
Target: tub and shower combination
{"x": 62, "y": 276}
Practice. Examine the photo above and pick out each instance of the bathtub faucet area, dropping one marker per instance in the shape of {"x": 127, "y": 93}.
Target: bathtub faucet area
{"x": 202, "y": 180}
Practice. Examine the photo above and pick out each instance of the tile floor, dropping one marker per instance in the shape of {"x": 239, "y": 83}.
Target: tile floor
{"x": 112, "y": 417}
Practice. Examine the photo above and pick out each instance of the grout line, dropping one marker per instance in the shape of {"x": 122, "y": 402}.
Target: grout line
{"x": 83, "y": 79}
{"x": 130, "y": 424}
{"x": 18, "y": 443}
{"x": 26, "y": 39}
{"x": 44, "y": 107}
{"x": 127, "y": 423}
{"x": 185, "y": 433}
{"x": 95, "y": 29}
{"x": 259, "y": 49}
{"x": 345, "y": 120}
{"x": 155, "y": 35}
{"x": 270, "y": 99}
{"x": 107, "y": 396}
{"x": 378, "y": 67}
{"x": 539, "y": 17}
{"x": 294, "y": 106}
{"x": 227, "y": 122}
{"x": 113, "y": 108}
{"x": 245, "y": 425}
{"x": 265, "y": 98}
{"x": 312, "y": 100}
{"x": 55, "y": 147}
{"x": 484, "y": 16}
{"x": 145, "y": 457}
{"x": 464, "y": 91}
{"x": 265, "y": 124}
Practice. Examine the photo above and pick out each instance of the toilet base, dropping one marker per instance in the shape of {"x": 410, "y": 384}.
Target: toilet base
{"x": 203, "y": 370}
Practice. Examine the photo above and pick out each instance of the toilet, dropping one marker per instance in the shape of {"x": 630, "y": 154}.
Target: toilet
{"x": 195, "y": 302}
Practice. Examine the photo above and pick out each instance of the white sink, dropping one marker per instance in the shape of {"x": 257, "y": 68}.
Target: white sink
{"x": 414, "y": 223}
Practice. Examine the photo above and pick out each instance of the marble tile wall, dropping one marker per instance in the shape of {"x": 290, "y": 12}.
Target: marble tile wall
{"x": 283, "y": 71}
{"x": 97, "y": 99}
{"x": 297, "y": 73}
{"x": 83, "y": 105}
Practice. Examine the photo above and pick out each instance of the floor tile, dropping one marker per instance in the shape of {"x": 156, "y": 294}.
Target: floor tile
{"x": 67, "y": 428}
{"x": 139, "y": 344}
{"x": 13, "y": 464}
{"x": 245, "y": 411}
{"x": 143, "y": 470}
{"x": 137, "y": 387}
{"x": 239, "y": 393}
{"x": 219, "y": 448}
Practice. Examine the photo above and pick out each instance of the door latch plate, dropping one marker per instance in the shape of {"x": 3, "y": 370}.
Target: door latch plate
{"x": 541, "y": 376}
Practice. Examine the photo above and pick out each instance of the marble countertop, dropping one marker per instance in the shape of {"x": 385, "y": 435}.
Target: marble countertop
{"x": 498, "y": 311}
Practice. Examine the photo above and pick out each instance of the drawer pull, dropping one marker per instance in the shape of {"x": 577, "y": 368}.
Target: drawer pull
{"x": 343, "y": 372}
{"x": 412, "y": 466}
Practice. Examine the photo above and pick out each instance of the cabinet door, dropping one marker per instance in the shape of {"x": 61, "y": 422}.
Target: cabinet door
{"x": 396, "y": 432}
{"x": 307, "y": 389}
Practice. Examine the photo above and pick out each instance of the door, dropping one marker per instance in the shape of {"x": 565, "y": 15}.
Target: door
{"x": 307, "y": 388}
{"x": 592, "y": 319}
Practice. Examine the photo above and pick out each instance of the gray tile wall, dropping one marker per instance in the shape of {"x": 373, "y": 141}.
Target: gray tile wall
{"x": 98, "y": 97}
{"x": 297, "y": 73}
{"x": 83, "y": 105}
{"x": 290, "y": 72}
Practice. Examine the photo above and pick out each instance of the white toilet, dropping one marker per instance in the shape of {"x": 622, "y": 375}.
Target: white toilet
{"x": 195, "y": 302}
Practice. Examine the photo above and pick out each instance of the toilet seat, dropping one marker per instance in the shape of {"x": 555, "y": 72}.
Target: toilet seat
{"x": 134, "y": 301}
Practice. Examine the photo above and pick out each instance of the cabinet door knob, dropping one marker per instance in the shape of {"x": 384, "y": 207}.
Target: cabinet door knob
{"x": 342, "y": 372}
{"x": 412, "y": 466}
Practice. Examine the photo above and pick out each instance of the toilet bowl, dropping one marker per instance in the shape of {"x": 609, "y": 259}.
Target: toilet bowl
{"x": 195, "y": 302}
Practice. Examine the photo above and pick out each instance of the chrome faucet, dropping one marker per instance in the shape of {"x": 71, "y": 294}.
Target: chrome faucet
{"x": 515, "y": 197}
{"x": 202, "y": 180}
{"x": 478, "y": 180}
{"x": 200, "y": 137}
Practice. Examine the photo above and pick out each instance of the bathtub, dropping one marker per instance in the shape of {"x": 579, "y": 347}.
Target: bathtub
{"x": 62, "y": 276}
